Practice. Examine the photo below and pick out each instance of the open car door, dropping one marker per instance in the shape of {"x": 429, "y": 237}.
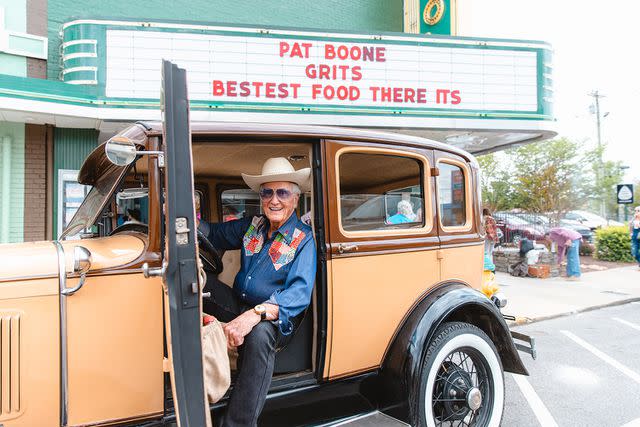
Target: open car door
{"x": 183, "y": 298}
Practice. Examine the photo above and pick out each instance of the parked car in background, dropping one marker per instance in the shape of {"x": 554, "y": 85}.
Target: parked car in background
{"x": 591, "y": 220}
{"x": 543, "y": 223}
{"x": 515, "y": 228}
{"x": 586, "y": 233}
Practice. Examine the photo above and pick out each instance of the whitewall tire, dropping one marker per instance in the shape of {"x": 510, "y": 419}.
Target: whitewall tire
{"x": 461, "y": 380}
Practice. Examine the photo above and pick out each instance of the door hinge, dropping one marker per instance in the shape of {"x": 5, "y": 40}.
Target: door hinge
{"x": 161, "y": 160}
{"x": 166, "y": 365}
{"x": 435, "y": 172}
{"x": 439, "y": 254}
{"x": 182, "y": 231}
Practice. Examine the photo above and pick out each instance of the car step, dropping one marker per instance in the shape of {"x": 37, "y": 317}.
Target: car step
{"x": 371, "y": 419}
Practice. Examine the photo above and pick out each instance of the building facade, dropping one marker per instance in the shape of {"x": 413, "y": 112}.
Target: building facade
{"x": 72, "y": 74}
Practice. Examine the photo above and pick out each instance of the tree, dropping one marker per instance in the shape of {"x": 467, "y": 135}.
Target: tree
{"x": 548, "y": 176}
{"x": 496, "y": 182}
{"x": 601, "y": 182}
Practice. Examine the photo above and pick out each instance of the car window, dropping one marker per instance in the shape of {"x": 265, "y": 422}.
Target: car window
{"x": 452, "y": 195}
{"x": 238, "y": 203}
{"x": 380, "y": 191}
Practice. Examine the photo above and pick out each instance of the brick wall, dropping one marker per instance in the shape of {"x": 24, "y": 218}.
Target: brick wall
{"x": 37, "y": 23}
{"x": 35, "y": 183}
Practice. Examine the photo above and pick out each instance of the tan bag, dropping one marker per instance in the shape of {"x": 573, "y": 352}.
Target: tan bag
{"x": 217, "y": 373}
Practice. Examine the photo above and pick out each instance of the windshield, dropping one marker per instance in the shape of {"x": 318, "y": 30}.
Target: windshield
{"x": 95, "y": 201}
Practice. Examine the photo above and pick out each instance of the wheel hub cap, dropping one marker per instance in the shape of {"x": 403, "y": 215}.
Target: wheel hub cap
{"x": 474, "y": 399}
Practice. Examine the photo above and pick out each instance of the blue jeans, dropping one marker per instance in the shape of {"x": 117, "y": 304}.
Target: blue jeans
{"x": 573, "y": 259}
{"x": 635, "y": 244}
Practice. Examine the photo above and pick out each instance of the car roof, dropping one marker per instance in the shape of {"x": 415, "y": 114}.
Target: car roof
{"x": 311, "y": 131}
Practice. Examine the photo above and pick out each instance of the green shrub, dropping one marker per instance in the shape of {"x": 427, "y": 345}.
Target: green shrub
{"x": 613, "y": 244}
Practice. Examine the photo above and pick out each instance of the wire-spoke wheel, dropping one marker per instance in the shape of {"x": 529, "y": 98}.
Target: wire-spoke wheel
{"x": 462, "y": 381}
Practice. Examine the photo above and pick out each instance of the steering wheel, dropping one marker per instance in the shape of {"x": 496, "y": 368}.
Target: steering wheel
{"x": 210, "y": 256}
{"x": 131, "y": 226}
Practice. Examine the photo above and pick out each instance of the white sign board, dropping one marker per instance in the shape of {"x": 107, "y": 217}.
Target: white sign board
{"x": 254, "y": 70}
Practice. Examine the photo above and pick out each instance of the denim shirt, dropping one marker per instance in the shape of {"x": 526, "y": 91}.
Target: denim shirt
{"x": 280, "y": 270}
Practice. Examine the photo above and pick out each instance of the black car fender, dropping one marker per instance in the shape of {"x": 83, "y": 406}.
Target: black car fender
{"x": 450, "y": 301}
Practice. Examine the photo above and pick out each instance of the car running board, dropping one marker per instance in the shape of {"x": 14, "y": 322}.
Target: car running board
{"x": 370, "y": 419}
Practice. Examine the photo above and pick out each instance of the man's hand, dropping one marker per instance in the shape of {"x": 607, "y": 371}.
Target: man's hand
{"x": 238, "y": 328}
{"x": 569, "y": 243}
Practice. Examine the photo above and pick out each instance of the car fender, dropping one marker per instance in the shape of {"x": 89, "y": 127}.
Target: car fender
{"x": 450, "y": 301}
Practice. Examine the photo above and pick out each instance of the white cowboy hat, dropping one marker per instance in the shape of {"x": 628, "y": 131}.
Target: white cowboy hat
{"x": 279, "y": 169}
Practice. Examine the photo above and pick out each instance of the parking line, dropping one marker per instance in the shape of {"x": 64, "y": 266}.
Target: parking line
{"x": 608, "y": 359}
{"x": 634, "y": 423}
{"x": 539, "y": 409}
{"x": 624, "y": 322}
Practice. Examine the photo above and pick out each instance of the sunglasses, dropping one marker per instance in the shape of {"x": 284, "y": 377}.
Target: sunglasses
{"x": 282, "y": 193}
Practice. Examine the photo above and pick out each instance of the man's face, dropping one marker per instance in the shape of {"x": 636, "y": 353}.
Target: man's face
{"x": 279, "y": 207}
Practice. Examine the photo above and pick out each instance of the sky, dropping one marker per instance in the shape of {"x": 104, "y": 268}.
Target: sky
{"x": 595, "y": 47}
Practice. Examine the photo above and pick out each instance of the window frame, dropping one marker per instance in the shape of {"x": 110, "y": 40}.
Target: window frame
{"x": 468, "y": 207}
{"x": 427, "y": 208}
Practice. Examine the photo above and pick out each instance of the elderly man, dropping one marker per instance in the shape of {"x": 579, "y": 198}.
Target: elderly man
{"x": 272, "y": 288}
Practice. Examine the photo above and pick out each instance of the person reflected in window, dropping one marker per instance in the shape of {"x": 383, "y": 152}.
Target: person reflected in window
{"x": 273, "y": 287}
{"x": 229, "y": 213}
{"x": 405, "y": 213}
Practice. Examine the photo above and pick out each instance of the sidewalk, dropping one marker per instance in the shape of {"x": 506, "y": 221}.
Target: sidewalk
{"x": 531, "y": 299}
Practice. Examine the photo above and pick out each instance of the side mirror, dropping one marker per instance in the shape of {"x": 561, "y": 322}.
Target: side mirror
{"x": 120, "y": 151}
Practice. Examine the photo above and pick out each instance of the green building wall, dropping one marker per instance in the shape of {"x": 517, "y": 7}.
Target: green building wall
{"x": 15, "y": 19}
{"x": 11, "y": 182}
{"x": 71, "y": 147}
{"x": 12, "y": 137}
{"x": 342, "y": 15}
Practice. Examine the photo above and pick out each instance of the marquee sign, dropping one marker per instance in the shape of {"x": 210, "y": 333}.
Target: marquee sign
{"x": 344, "y": 72}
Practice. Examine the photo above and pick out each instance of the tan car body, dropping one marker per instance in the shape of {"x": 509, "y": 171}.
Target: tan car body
{"x": 113, "y": 326}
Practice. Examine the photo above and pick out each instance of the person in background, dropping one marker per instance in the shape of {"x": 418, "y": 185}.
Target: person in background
{"x": 568, "y": 240}
{"x": 491, "y": 237}
{"x": 634, "y": 230}
{"x": 405, "y": 213}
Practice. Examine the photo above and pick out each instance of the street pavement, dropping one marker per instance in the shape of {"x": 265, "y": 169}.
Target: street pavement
{"x": 588, "y": 339}
{"x": 587, "y": 372}
{"x": 531, "y": 299}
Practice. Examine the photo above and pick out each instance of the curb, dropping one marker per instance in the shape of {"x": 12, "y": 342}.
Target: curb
{"x": 520, "y": 321}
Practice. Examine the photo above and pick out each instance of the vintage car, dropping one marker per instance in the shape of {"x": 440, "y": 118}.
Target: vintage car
{"x": 104, "y": 326}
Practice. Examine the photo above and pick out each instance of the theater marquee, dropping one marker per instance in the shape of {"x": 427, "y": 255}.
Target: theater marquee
{"x": 333, "y": 72}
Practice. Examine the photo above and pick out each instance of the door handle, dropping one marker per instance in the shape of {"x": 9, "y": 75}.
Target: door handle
{"x": 342, "y": 248}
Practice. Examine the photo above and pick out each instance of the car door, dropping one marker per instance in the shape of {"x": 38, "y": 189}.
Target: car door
{"x": 380, "y": 263}
{"x": 462, "y": 247}
{"x": 183, "y": 297}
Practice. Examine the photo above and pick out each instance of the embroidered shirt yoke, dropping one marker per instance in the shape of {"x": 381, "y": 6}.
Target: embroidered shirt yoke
{"x": 280, "y": 270}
